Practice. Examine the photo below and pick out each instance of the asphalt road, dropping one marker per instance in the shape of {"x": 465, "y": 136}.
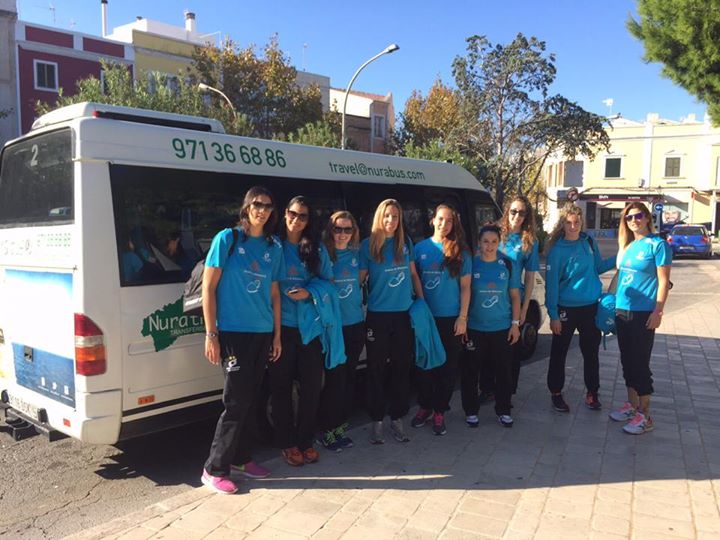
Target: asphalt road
{"x": 49, "y": 490}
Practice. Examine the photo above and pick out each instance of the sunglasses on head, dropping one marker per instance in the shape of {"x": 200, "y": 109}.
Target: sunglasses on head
{"x": 342, "y": 230}
{"x": 300, "y": 217}
{"x": 259, "y": 205}
{"x": 520, "y": 213}
{"x": 634, "y": 217}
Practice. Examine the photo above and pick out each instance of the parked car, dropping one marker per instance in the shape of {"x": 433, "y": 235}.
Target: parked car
{"x": 691, "y": 240}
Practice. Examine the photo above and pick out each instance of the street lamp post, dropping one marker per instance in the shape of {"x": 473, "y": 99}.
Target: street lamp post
{"x": 207, "y": 88}
{"x": 389, "y": 49}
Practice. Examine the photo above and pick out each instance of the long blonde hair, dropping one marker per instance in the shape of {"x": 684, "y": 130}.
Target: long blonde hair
{"x": 329, "y": 239}
{"x": 527, "y": 229}
{"x": 625, "y": 235}
{"x": 570, "y": 209}
{"x": 377, "y": 233}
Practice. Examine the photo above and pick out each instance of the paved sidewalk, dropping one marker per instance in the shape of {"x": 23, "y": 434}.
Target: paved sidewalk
{"x": 552, "y": 476}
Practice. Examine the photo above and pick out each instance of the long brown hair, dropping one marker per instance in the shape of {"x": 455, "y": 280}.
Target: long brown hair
{"x": 454, "y": 244}
{"x": 570, "y": 209}
{"x": 527, "y": 229}
{"x": 625, "y": 235}
{"x": 377, "y": 233}
{"x": 309, "y": 246}
{"x": 329, "y": 239}
{"x": 244, "y": 218}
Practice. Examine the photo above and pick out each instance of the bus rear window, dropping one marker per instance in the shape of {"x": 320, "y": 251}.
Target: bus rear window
{"x": 36, "y": 181}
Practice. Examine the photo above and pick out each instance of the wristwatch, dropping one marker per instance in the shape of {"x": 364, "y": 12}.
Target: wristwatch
{"x": 211, "y": 334}
{"x": 516, "y": 323}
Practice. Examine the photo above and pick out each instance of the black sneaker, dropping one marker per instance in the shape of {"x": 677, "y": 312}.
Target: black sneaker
{"x": 559, "y": 404}
{"x": 591, "y": 401}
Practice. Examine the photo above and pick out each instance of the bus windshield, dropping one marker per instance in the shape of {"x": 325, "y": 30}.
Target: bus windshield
{"x": 36, "y": 181}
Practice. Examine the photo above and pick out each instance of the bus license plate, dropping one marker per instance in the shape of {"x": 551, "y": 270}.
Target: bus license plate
{"x": 23, "y": 406}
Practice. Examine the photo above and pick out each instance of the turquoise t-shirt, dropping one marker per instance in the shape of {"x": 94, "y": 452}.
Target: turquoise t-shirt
{"x": 637, "y": 285}
{"x": 243, "y": 293}
{"x": 441, "y": 291}
{"x": 346, "y": 269}
{"x": 389, "y": 282}
{"x": 523, "y": 261}
{"x": 490, "y": 305}
{"x": 297, "y": 275}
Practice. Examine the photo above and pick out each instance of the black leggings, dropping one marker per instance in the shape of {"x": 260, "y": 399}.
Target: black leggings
{"x": 635, "y": 342}
{"x": 581, "y": 318}
{"x": 390, "y": 343}
{"x": 304, "y": 362}
{"x": 435, "y": 386}
{"x": 338, "y": 393}
{"x": 495, "y": 349}
{"x": 244, "y": 357}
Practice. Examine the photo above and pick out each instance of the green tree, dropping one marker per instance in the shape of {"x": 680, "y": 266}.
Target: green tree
{"x": 510, "y": 122}
{"x": 430, "y": 118}
{"x": 320, "y": 133}
{"x": 150, "y": 91}
{"x": 264, "y": 89}
{"x": 683, "y": 36}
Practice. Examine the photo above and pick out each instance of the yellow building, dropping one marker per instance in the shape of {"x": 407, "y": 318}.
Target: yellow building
{"x": 674, "y": 167}
{"x": 160, "y": 47}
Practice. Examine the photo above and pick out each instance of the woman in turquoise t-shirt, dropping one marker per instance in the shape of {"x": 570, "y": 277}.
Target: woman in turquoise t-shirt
{"x": 241, "y": 309}
{"x": 443, "y": 262}
{"x": 643, "y": 282}
{"x": 342, "y": 239}
{"x": 305, "y": 258}
{"x": 518, "y": 242}
{"x": 493, "y": 326}
{"x": 386, "y": 260}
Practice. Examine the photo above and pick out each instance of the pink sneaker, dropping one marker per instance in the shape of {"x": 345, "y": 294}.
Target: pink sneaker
{"x": 624, "y": 413}
{"x": 250, "y": 470}
{"x": 219, "y": 484}
{"x": 639, "y": 424}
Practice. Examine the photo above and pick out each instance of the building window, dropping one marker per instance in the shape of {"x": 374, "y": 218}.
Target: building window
{"x": 46, "y": 75}
{"x": 610, "y": 218}
{"x": 613, "y": 167}
{"x": 672, "y": 167}
{"x": 379, "y": 126}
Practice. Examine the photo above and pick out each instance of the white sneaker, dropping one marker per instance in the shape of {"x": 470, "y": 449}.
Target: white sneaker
{"x": 506, "y": 420}
{"x": 376, "y": 433}
{"x": 398, "y": 431}
{"x": 624, "y": 413}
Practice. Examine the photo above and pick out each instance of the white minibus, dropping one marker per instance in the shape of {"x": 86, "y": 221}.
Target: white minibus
{"x": 103, "y": 212}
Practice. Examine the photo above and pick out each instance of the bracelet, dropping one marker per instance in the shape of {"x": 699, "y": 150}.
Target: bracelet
{"x": 211, "y": 335}
{"x": 462, "y": 318}
{"x": 516, "y": 322}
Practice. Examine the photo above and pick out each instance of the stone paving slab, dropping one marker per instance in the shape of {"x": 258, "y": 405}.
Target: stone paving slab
{"x": 553, "y": 475}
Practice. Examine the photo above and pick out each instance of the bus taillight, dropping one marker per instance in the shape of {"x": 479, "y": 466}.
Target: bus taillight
{"x": 89, "y": 347}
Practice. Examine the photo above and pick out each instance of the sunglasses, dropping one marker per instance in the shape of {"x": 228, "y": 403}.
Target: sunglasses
{"x": 634, "y": 217}
{"x": 342, "y": 230}
{"x": 257, "y": 205}
{"x": 520, "y": 213}
{"x": 294, "y": 215}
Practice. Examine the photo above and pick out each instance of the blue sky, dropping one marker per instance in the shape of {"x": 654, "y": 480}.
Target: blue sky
{"x": 596, "y": 56}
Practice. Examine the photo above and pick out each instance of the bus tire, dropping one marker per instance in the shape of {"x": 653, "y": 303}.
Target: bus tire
{"x": 529, "y": 331}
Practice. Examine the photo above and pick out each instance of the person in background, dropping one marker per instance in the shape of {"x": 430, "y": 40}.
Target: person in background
{"x": 572, "y": 291}
{"x": 305, "y": 258}
{"x": 519, "y": 243}
{"x": 342, "y": 239}
{"x": 643, "y": 283}
{"x": 443, "y": 263}
{"x": 386, "y": 261}
{"x": 241, "y": 308}
{"x": 493, "y": 326}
